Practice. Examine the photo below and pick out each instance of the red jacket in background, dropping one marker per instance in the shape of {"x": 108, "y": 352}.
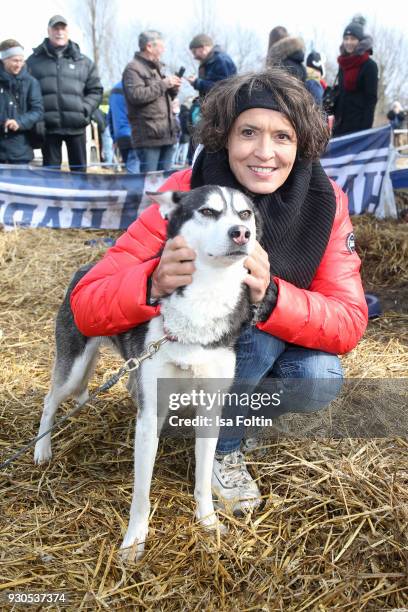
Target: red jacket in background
{"x": 330, "y": 316}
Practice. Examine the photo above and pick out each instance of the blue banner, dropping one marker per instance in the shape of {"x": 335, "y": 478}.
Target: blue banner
{"x": 38, "y": 197}
{"x": 358, "y": 163}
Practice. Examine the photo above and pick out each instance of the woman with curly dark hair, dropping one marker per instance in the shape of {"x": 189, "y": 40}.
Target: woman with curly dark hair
{"x": 260, "y": 133}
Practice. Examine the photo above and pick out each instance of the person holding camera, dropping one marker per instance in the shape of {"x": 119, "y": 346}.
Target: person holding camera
{"x": 20, "y": 105}
{"x": 215, "y": 64}
{"x": 149, "y": 92}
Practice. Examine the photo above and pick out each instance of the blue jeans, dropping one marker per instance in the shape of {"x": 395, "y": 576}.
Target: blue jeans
{"x": 107, "y": 147}
{"x": 131, "y": 160}
{"x": 260, "y": 355}
{"x": 153, "y": 159}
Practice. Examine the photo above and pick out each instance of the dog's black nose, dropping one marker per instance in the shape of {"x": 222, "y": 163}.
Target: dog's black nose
{"x": 239, "y": 234}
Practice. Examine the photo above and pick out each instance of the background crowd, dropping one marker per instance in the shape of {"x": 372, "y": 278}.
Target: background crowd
{"x": 54, "y": 95}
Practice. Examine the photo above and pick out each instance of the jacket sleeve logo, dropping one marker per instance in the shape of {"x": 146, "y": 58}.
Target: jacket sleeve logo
{"x": 351, "y": 242}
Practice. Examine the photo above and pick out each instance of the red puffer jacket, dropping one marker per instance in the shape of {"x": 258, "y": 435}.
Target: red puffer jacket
{"x": 331, "y": 316}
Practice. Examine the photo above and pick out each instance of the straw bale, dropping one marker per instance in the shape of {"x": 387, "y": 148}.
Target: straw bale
{"x": 383, "y": 248}
{"x": 331, "y": 535}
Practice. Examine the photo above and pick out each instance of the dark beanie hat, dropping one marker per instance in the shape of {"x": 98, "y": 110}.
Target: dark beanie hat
{"x": 314, "y": 60}
{"x": 355, "y": 28}
{"x": 201, "y": 40}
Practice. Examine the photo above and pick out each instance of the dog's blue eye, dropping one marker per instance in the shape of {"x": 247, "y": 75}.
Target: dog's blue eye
{"x": 208, "y": 212}
{"x": 245, "y": 214}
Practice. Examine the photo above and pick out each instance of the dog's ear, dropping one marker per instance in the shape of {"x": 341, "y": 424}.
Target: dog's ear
{"x": 167, "y": 200}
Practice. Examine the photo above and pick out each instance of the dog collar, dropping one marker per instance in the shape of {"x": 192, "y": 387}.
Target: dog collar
{"x": 169, "y": 336}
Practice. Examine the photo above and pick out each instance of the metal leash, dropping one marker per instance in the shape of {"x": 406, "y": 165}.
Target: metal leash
{"x": 129, "y": 366}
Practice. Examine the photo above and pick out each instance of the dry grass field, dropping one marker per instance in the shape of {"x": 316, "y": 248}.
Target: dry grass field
{"x": 332, "y": 535}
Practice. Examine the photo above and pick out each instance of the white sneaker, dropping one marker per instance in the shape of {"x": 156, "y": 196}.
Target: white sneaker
{"x": 232, "y": 484}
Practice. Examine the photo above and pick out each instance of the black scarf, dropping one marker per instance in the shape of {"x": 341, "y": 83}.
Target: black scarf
{"x": 297, "y": 218}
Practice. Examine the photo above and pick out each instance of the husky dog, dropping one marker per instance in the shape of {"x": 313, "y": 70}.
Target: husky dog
{"x": 202, "y": 321}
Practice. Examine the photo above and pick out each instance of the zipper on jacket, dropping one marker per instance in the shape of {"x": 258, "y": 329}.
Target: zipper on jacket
{"x": 10, "y": 114}
{"x": 59, "y": 89}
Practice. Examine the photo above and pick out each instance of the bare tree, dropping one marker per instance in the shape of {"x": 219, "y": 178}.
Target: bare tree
{"x": 391, "y": 55}
{"x": 99, "y": 26}
{"x": 245, "y": 48}
{"x": 205, "y": 20}
{"x": 126, "y": 44}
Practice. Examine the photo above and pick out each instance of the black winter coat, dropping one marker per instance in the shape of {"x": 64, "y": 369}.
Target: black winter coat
{"x": 354, "y": 110}
{"x": 70, "y": 87}
{"x": 20, "y": 99}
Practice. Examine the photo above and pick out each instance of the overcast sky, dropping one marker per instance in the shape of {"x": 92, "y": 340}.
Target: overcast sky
{"x": 313, "y": 19}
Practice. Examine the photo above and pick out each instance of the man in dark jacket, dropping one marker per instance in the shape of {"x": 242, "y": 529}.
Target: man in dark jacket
{"x": 148, "y": 94}
{"x": 215, "y": 65}
{"x": 71, "y": 91}
{"x": 287, "y": 52}
{"x": 20, "y": 105}
{"x": 358, "y": 81}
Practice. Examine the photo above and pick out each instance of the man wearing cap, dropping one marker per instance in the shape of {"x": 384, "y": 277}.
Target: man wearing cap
{"x": 20, "y": 104}
{"x": 71, "y": 91}
{"x": 357, "y": 80}
{"x": 215, "y": 65}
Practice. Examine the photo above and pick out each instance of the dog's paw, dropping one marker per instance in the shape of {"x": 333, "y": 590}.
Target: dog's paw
{"x": 212, "y": 523}
{"x": 42, "y": 451}
{"x": 131, "y": 554}
{"x": 133, "y": 545}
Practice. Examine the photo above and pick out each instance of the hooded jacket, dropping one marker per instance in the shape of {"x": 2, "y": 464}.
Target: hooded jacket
{"x": 331, "y": 315}
{"x": 215, "y": 67}
{"x": 20, "y": 99}
{"x": 70, "y": 87}
{"x": 288, "y": 53}
{"x": 149, "y": 103}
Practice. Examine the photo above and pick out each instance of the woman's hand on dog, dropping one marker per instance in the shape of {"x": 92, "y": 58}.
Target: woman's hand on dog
{"x": 175, "y": 268}
{"x": 259, "y": 275}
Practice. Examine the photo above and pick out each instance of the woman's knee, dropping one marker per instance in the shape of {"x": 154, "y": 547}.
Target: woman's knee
{"x": 305, "y": 363}
{"x": 310, "y": 380}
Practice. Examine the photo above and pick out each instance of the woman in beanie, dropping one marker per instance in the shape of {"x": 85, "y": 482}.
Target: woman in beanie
{"x": 20, "y": 104}
{"x": 358, "y": 81}
{"x": 262, "y": 134}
